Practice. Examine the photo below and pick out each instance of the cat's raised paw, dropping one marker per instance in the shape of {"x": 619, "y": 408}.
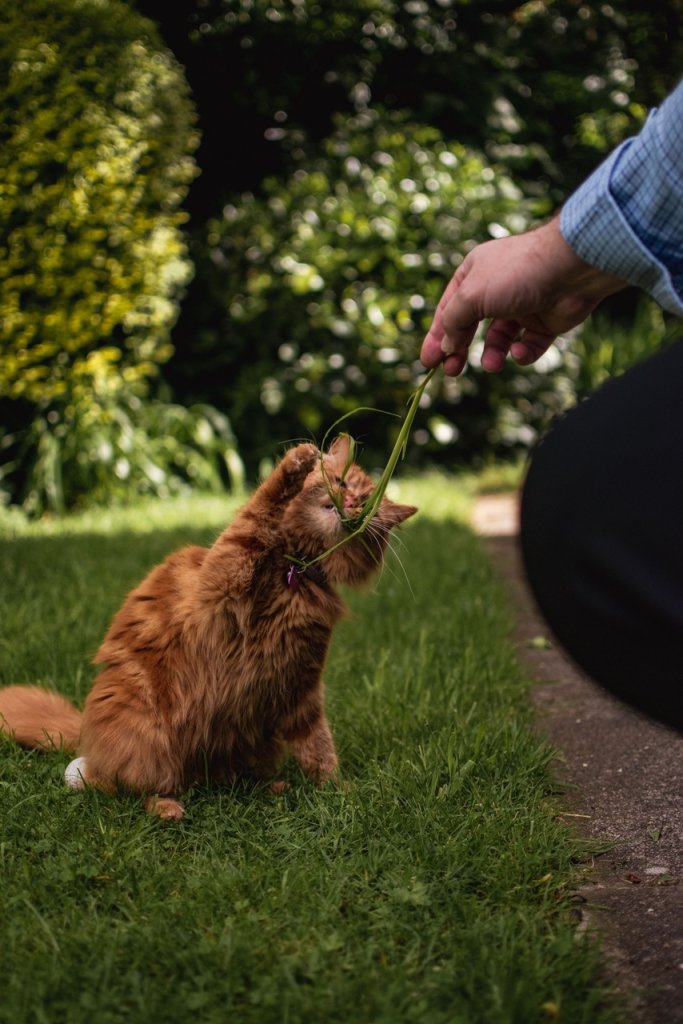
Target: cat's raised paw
{"x": 298, "y": 462}
{"x": 303, "y": 457}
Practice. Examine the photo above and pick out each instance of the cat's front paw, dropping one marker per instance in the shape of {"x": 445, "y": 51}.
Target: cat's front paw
{"x": 297, "y": 463}
{"x": 302, "y": 458}
{"x": 165, "y": 807}
{"x": 326, "y": 773}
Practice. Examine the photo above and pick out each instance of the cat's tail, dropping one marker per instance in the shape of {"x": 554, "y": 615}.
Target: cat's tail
{"x": 35, "y": 717}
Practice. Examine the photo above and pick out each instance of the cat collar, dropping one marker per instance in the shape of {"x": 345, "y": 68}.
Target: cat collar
{"x": 296, "y": 573}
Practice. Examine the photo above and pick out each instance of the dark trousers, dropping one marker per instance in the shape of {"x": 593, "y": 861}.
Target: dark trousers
{"x": 602, "y": 534}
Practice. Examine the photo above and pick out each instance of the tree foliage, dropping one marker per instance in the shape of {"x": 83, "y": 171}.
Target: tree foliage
{"x": 535, "y": 92}
{"x": 544, "y": 85}
{"x": 324, "y": 226}
{"x": 95, "y": 133}
{"x": 96, "y": 136}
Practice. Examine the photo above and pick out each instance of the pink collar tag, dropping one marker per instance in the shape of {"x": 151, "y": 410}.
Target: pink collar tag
{"x": 293, "y": 578}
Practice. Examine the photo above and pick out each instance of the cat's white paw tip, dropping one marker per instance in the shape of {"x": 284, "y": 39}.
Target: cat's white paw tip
{"x": 75, "y": 773}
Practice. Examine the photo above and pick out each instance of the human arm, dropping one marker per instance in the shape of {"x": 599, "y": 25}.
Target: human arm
{"x": 624, "y": 225}
{"x": 627, "y": 218}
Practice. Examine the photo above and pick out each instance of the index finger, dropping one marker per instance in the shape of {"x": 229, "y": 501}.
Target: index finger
{"x": 431, "y": 352}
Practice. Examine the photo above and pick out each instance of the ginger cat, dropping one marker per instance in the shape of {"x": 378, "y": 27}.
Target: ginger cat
{"x": 213, "y": 666}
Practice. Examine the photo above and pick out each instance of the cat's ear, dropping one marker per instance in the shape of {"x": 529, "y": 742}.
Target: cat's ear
{"x": 393, "y": 513}
{"x": 340, "y": 454}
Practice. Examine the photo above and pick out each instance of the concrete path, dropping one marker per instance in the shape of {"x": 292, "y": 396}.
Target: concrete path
{"x": 626, "y": 774}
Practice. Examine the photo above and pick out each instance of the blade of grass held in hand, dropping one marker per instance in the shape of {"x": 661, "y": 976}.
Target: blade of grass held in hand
{"x": 398, "y": 452}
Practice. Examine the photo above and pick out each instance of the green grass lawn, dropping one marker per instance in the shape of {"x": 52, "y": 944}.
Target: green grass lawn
{"x": 435, "y": 888}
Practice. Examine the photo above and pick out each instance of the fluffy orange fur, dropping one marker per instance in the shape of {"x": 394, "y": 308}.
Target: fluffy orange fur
{"x": 213, "y": 665}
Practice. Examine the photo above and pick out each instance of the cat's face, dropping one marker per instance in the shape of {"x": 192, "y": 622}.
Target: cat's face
{"x": 324, "y": 513}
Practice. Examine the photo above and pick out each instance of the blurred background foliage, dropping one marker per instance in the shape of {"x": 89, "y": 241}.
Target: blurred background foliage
{"x": 350, "y": 154}
{"x": 97, "y": 132}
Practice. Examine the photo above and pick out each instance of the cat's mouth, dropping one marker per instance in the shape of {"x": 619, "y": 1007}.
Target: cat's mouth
{"x": 352, "y": 517}
{"x": 349, "y": 507}
{"x": 347, "y": 513}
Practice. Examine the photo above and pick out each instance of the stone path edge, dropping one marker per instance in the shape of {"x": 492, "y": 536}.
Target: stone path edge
{"x": 625, "y": 776}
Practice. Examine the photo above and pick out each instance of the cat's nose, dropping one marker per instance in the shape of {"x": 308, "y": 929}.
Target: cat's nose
{"x": 349, "y": 502}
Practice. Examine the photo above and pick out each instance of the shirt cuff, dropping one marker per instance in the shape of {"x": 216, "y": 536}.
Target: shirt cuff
{"x": 592, "y": 223}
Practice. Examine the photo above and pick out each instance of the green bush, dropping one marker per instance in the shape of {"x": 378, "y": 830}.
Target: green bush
{"x": 96, "y": 128}
{"x": 96, "y": 141}
{"x": 605, "y": 347}
{"x": 328, "y": 282}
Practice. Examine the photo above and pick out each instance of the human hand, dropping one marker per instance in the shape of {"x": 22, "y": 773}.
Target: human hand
{"x": 533, "y": 287}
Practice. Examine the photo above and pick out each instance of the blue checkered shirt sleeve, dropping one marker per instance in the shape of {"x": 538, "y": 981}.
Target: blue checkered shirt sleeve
{"x": 627, "y": 217}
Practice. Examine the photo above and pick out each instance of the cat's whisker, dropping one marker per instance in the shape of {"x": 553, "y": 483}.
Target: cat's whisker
{"x": 392, "y": 541}
{"x": 386, "y": 567}
{"x": 397, "y": 539}
{"x": 378, "y": 536}
{"x": 403, "y": 573}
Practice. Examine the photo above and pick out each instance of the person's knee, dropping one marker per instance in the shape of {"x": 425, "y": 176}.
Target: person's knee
{"x": 600, "y": 535}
